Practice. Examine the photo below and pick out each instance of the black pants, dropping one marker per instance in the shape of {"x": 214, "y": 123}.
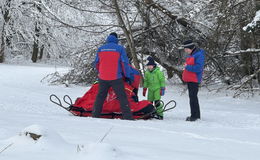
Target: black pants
{"x": 194, "y": 102}
{"x": 118, "y": 87}
{"x": 135, "y": 97}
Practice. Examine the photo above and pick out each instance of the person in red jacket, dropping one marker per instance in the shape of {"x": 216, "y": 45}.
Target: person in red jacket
{"x": 112, "y": 65}
{"x": 134, "y": 81}
{"x": 192, "y": 75}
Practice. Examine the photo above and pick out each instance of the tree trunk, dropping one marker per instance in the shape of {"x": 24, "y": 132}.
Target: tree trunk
{"x": 41, "y": 52}
{"x": 257, "y": 3}
{"x": 246, "y": 41}
{"x": 36, "y": 49}
{"x": 2, "y": 47}
{"x": 129, "y": 36}
{"x": 6, "y": 16}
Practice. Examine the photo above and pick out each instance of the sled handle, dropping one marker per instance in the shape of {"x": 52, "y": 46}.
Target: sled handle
{"x": 67, "y": 97}
{"x": 57, "y": 101}
{"x": 167, "y": 109}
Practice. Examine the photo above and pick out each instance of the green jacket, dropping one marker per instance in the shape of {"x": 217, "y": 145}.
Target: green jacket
{"x": 154, "y": 79}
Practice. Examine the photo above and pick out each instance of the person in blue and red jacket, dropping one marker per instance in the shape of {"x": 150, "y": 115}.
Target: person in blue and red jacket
{"x": 112, "y": 65}
{"x": 134, "y": 81}
{"x": 192, "y": 74}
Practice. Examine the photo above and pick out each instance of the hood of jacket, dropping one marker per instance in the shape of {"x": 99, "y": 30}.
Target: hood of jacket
{"x": 112, "y": 39}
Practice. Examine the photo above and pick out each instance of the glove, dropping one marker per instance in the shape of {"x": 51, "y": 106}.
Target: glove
{"x": 162, "y": 91}
{"x": 144, "y": 91}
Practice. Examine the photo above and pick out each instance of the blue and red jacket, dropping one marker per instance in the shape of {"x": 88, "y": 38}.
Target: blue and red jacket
{"x": 194, "y": 66}
{"x": 111, "y": 60}
{"x": 135, "y": 77}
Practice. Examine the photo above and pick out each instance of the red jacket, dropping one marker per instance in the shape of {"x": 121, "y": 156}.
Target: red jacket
{"x": 194, "y": 66}
{"x": 135, "y": 77}
{"x": 111, "y": 60}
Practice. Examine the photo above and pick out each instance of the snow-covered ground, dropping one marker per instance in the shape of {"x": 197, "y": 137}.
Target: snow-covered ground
{"x": 229, "y": 129}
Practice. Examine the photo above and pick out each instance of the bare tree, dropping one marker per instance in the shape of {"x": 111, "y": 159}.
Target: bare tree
{"x": 126, "y": 27}
{"x": 4, "y": 37}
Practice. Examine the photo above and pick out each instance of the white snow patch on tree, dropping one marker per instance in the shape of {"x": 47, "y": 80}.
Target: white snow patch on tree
{"x": 254, "y": 22}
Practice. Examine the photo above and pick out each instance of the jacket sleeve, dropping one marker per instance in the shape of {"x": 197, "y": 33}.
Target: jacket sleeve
{"x": 199, "y": 64}
{"x": 96, "y": 62}
{"x": 145, "y": 80}
{"x": 125, "y": 63}
{"x": 161, "y": 79}
{"x": 132, "y": 73}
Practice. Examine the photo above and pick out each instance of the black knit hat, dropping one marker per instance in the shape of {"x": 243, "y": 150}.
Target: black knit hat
{"x": 114, "y": 34}
{"x": 151, "y": 61}
{"x": 188, "y": 44}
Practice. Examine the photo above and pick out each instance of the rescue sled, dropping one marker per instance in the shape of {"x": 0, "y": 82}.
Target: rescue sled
{"x": 83, "y": 106}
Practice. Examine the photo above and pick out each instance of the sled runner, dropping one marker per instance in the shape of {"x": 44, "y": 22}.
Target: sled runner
{"x": 83, "y": 106}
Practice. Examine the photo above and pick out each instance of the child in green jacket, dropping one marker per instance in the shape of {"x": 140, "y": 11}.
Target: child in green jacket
{"x": 154, "y": 80}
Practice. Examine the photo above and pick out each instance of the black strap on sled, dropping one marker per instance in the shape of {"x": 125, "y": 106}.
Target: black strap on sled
{"x": 170, "y": 108}
{"x": 79, "y": 109}
{"x": 66, "y": 98}
{"x": 165, "y": 107}
{"x": 56, "y": 101}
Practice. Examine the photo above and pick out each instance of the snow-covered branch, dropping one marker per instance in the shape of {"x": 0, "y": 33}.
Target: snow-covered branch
{"x": 248, "y": 51}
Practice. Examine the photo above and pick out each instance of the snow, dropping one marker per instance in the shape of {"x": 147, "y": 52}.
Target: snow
{"x": 254, "y": 22}
{"x": 51, "y": 146}
{"x": 229, "y": 128}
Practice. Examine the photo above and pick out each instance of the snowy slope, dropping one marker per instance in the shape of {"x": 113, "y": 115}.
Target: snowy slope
{"x": 229, "y": 128}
